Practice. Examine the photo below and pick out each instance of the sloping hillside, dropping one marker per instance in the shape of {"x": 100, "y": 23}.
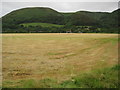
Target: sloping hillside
{"x": 103, "y": 20}
{"x": 37, "y": 14}
{"x": 48, "y": 15}
{"x": 111, "y": 19}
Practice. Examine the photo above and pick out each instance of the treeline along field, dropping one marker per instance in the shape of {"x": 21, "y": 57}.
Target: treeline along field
{"x": 59, "y": 60}
{"x": 100, "y": 22}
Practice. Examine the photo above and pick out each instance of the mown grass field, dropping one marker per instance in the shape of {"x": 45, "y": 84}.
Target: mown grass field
{"x": 59, "y": 60}
{"x": 41, "y": 24}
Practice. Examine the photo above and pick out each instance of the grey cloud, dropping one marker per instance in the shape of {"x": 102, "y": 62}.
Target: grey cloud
{"x": 60, "y": 1}
{"x": 62, "y": 6}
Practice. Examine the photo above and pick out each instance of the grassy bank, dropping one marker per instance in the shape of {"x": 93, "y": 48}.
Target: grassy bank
{"x": 41, "y": 24}
{"x": 102, "y": 78}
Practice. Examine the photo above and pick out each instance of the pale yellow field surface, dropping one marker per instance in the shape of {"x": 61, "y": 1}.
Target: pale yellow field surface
{"x": 56, "y": 55}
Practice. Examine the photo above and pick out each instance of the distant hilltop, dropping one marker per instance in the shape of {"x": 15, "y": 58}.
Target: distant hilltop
{"x": 48, "y": 15}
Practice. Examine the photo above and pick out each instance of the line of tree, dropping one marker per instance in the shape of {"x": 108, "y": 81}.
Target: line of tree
{"x": 64, "y": 29}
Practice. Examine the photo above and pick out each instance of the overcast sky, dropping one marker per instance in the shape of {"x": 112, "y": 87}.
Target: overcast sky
{"x": 61, "y": 5}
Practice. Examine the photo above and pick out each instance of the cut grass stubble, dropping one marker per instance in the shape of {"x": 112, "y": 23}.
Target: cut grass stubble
{"x": 57, "y": 56}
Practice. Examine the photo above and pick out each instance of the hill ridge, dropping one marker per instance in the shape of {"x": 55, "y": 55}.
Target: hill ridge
{"x": 49, "y": 15}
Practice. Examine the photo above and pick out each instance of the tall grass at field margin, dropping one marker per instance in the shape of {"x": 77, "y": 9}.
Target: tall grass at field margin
{"x": 102, "y": 78}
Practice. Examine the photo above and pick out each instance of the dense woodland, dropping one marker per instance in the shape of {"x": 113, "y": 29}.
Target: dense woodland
{"x": 78, "y": 22}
